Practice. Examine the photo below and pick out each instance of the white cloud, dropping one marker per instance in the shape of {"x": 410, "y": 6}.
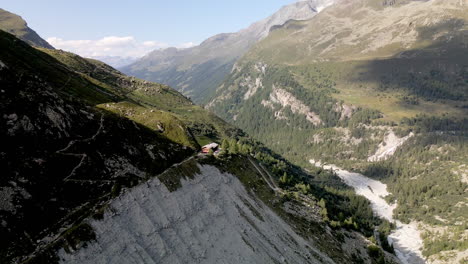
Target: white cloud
{"x": 186, "y": 45}
{"x": 152, "y": 44}
{"x": 115, "y": 41}
{"x": 126, "y": 47}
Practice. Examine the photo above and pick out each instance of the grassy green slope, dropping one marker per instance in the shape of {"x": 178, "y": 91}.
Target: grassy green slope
{"x": 62, "y": 157}
{"x": 15, "y": 25}
{"x": 154, "y": 105}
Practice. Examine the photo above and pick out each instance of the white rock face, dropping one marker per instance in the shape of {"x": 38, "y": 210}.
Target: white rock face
{"x": 301, "y": 10}
{"x": 286, "y": 99}
{"x": 386, "y": 149}
{"x": 252, "y": 87}
{"x": 346, "y": 111}
{"x": 406, "y": 239}
{"x": 210, "y": 219}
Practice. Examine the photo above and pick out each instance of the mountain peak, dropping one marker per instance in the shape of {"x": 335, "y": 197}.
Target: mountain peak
{"x": 17, "y": 26}
{"x": 301, "y": 10}
{"x": 215, "y": 56}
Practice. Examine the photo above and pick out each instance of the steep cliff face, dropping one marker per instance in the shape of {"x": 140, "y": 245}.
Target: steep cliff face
{"x": 210, "y": 218}
{"x": 61, "y": 156}
{"x": 210, "y": 211}
{"x": 301, "y": 10}
{"x": 198, "y": 71}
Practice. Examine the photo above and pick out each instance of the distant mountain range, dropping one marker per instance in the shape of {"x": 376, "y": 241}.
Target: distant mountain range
{"x": 198, "y": 71}
{"x": 116, "y": 61}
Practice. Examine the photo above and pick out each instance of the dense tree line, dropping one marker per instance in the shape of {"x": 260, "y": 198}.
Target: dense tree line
{"x": 421, "y": 175}
{"x": 340, "y": 206}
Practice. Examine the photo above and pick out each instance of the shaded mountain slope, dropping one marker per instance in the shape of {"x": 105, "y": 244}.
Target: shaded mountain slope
{"x": 61, "y": 156}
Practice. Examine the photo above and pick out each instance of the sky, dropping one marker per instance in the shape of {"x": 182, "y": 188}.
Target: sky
{"x": 132, "y": 28}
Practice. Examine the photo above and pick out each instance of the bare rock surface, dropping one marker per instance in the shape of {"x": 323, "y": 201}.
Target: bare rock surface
{"x": 390, "y": 145}
{"x": 209, "y": 219}
{"x": 286, "y": 99}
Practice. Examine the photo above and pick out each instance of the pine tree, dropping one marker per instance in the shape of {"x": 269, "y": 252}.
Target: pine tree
{"x": 225, "y": 145}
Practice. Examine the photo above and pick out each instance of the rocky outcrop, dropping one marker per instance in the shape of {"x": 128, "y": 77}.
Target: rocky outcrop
{"x": 286, "y": 99}
{"x": 345, "y": 110}
{"x": 363, "y": 29}
{"x": 301, "y": 10}
{"x": 389, "y": 146}
{"x": 2, "y": 65}
{"x": 252, "y": 86}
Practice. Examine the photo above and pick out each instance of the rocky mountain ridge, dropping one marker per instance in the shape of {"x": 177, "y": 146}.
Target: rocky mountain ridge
{"x": 15, "y": 25}
{"x": 213, "y": 59}
{"x": 360, "y": 30}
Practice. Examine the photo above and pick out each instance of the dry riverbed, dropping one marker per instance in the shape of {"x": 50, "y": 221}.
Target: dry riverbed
{"x": 406, "y": 239}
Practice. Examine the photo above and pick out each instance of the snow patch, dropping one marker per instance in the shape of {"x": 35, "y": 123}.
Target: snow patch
{"x": 389, "y": 146}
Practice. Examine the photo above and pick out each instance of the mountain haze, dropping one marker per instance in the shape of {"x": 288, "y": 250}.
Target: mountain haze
{"x": 197, "y": 71}
{"x": 116, "y": 61}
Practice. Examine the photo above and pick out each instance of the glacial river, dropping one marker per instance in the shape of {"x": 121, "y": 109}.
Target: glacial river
{"x": 406, "y": 238}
